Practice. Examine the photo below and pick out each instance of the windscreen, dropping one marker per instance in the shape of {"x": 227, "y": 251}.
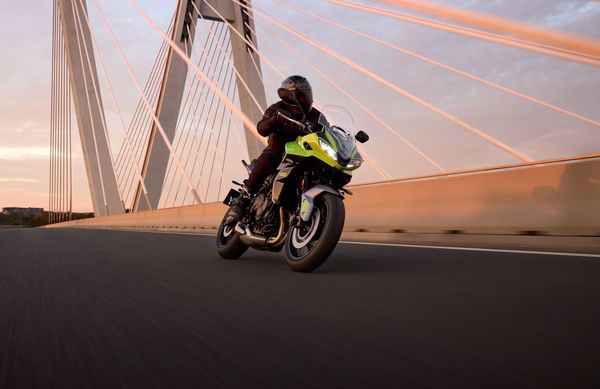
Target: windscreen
{"x": 338, "y": 126}
{"x": 333, "y": 115}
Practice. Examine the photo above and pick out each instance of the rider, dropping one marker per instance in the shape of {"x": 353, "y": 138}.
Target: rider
{"x": 296, "y": 105}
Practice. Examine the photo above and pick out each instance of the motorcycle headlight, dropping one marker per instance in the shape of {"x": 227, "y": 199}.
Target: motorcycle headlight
{"x": 328, "y": 149}
{"x": 354, "y": 164}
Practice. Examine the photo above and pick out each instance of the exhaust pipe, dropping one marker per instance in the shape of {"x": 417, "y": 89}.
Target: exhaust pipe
{"x": 252, "y": 239}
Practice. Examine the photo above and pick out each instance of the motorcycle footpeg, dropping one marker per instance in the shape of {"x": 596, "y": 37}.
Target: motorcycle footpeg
{"x": 346, "y": 191}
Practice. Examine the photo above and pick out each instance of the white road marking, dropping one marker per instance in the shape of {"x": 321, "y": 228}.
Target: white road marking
{"x": 163, "y": 232}
{"x": 566, "y": 254}
{"x": 459, "y": 248}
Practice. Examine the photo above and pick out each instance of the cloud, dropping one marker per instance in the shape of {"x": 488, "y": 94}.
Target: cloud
{"x": 24, "y": 153}
{"x": 25, "y": 108}
{"x": 17, "y": 179}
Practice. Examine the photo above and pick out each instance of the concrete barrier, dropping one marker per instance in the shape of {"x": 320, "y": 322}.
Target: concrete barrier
{"x": 190, "y": 217}
{"x": 559, "y": 198}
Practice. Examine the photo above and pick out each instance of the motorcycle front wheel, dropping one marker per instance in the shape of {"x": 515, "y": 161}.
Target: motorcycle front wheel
{"x": 307, "y": 247}
{"x": 229, "y": 245}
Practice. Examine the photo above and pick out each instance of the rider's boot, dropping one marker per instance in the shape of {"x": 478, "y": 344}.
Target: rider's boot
{"x": 238, "y": 207}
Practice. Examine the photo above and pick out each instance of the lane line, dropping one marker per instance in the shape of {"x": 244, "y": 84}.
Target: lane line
{"x": 458, "y": 248}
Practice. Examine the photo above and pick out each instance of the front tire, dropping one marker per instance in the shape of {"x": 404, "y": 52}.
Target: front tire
{"x": 229, "y": 244}
{"x": 309, "y": 246}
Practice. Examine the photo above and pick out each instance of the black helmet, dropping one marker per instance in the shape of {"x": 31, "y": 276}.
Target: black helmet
{"x": 302, "y": 92}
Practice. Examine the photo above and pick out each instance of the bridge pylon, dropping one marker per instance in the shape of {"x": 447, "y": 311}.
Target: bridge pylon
{"x": 88, "y": 108}
{"x": 245, "y": 60}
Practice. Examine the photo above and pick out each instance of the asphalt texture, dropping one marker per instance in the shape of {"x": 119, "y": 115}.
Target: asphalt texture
{"x": 111, "y": 309}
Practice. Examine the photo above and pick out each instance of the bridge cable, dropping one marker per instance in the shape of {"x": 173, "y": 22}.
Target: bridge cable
{"x": 243, "y": 147}
{"x": 184, "y": 114}
{"x": 207, "y": 56}
{"x": 247, "y": 122}
{"x": 68, "y": 102}
{"x": 377, "y": 167}
{"x": 238, "y": 113}
{"x": 87, "y": 95}
{"x": 439, "y": 64}
{"x": 239, "y": 77}
{"x": 149, "y": 80}
{"x": 230, "y": 80}
{"x": 395, "y": 88}
{"x": 213, "y": 112}
{"x": 79, "y": 28}
{"x": 182, "y": 122}
{"x": 380, "y": 170}
{"x": 184, "y": 111}
{"x": 221, "y": 122}
{"x": 146, "y": 103}
{"x": 229, "y": 120}
{"x": 211, "y": 71}
{"x": 535, "y": 47}
{"x": 142, "y": 123}
{"x": 561, "y": 39}
{"x": 60, "y": 177}
{"x": 132, "y": 129}
{"x": 224, "y": 54}
{"x": 53, "y": 114}
{"x": 250, "y": 44}
{"x": 215, "y": 76}
{"x": 64, "y": 138}
{"x": 117, "y": 109}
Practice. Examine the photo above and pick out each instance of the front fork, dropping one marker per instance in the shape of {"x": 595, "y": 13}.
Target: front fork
{"x": 307, "y": 200}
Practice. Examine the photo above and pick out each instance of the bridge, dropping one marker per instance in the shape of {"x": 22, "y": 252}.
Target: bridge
{"x": 469, "y": 257}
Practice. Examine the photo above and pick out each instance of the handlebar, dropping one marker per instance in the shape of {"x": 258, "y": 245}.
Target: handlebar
{"x": 295, "y": 123}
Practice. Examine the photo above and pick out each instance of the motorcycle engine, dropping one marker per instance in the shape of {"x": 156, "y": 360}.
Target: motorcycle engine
{"x": 260, "y": 204}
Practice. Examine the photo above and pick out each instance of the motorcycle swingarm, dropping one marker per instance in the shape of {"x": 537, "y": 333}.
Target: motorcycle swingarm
{"x": 308, "y": 199}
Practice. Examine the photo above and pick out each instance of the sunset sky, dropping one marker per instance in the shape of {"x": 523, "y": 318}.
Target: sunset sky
{"x": 538, "y": 132}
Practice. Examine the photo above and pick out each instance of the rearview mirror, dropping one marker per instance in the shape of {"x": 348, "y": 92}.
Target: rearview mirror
{"x": 361, "y": 137}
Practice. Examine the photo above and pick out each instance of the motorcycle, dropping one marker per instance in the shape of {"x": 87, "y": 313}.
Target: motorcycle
{"x": 300, "y": 206}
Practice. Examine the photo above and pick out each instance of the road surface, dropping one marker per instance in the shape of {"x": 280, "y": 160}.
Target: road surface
{"x": 113, "y": 309}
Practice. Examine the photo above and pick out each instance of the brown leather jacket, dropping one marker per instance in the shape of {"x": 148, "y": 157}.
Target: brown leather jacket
{"x": 280, "y": 134}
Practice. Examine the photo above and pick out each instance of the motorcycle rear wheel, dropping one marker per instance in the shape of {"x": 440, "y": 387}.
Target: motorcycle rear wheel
{"x": 229, "y": 244}
{"x": 309, "y": 246}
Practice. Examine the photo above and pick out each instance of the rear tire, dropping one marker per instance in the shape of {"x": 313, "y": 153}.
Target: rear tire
{"x": 229, "y": 245}
{"x": 308, "y": 248}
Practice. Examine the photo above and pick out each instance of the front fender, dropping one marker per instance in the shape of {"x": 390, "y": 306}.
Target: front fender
{"x": 308, "y": 199}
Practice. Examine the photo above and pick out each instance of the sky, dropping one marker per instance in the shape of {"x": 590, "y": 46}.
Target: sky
{"x": 536, "y": 131}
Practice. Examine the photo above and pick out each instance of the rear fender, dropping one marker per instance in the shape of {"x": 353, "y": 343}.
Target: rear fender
{"x": 308, "y": 199}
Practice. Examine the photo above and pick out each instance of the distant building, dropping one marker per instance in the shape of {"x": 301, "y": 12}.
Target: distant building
{"x": 13, "y": 211}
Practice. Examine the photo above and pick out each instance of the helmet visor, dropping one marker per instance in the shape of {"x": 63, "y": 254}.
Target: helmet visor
{"x": 286, "y": 95}
{"x": 304, "y": 98}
